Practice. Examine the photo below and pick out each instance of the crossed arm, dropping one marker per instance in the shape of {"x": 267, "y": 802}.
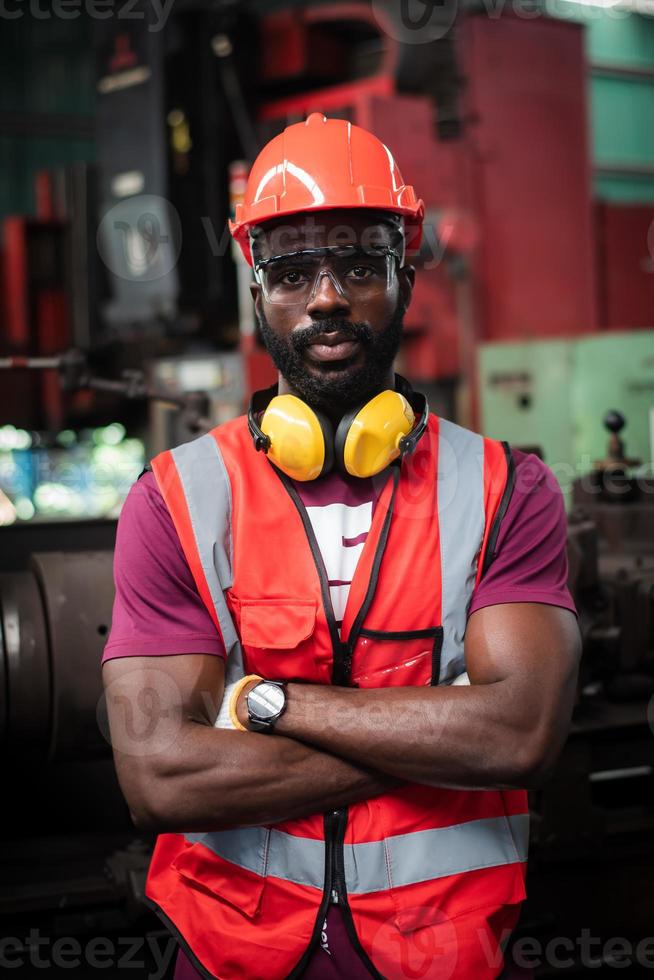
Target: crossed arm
{"x": 335, "y": 746}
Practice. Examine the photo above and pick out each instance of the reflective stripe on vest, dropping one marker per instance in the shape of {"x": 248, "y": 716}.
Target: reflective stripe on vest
{"x": 204, "y": 477}
{"x": 199, "y": 469}
{"x": 377, "y": 865}
{"x": 460, "y": 465}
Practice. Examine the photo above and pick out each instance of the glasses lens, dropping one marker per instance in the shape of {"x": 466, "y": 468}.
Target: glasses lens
{"x": 356, "y": 273}
{"x": 289, "y": 279}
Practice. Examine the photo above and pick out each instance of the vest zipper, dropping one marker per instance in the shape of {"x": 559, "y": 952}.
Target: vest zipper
{"x": 300, "y": 967}
{"x": 342, "y": 664}
{"x": 337, "y": 825}
{"x": 336, "y": 821}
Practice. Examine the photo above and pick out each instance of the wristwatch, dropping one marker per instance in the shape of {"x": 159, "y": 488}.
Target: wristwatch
{"x": 266, "y": 703}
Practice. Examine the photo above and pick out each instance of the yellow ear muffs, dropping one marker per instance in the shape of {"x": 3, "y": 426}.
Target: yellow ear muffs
{"x": 368, "y": 438}
{"x": 301, "y": 441}
{"x": 301, "y": 438}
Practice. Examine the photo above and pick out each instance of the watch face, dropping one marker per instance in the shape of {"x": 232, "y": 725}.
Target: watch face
{"x": 265, "y": 701}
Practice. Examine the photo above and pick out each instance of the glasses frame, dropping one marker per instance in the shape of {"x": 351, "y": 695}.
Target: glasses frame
{"x": 323, "y": 251}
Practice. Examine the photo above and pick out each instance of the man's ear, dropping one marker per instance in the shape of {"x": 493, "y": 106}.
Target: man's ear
{"x": 407, "y": 278}
{"x": 255, "y": 291}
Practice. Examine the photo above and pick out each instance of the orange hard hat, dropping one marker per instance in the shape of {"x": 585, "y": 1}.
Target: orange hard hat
{"x": 320, "y": 164}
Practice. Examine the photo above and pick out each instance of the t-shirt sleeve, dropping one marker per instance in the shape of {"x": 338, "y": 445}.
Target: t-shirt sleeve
{"x": 531, "y": 561}
{"x": 157, "y": 608}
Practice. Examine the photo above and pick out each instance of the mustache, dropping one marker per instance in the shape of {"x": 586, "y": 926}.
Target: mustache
{"x": 302, "y": 338}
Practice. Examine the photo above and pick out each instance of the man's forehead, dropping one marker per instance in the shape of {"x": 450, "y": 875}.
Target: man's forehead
{"x": 306, "y": 230}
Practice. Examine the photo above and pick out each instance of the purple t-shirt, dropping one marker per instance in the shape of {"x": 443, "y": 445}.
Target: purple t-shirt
{"x": 158, "y": 611}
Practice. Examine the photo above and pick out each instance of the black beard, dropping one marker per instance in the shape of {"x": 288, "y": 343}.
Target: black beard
{"x": 353, "y": 387}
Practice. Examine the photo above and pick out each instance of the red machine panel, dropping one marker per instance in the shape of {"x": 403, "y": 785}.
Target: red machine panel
{"x": 509, "y": 236}
{"x": 526, "y": 107}
{"x": 36, "y": 316}
{"x": 408, "y": 124}
{"x": 14, "y": 282}
{"x": 292, "y": 44}
{"x": 625, "y": 265}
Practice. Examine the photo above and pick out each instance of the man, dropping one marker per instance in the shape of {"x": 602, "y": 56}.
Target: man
{"x": 387, "y": 593}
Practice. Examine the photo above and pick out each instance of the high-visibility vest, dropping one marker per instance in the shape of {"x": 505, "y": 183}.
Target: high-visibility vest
{"x": 430, "y": 879}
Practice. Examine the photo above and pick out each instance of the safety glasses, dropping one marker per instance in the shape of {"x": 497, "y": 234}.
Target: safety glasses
{"x": 357, "y": 273}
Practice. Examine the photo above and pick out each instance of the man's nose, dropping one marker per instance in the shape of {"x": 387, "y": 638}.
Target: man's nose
{"x": 328, "y": 297}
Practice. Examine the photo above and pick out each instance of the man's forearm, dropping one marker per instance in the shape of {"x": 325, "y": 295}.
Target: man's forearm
{"x": 504, "y": 730}
{"x": 458, "y": 736}
{"x": 213, "y": 779}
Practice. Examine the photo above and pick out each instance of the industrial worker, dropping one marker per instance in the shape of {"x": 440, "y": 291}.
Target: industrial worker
{"x": 345, "y": 620}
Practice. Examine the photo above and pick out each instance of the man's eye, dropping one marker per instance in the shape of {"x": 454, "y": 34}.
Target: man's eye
{"x": 292, "y": 277}
{"x": 361, "y": 272}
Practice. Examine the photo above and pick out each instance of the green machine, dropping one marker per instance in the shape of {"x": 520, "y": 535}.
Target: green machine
{"x": 553, "y": 394}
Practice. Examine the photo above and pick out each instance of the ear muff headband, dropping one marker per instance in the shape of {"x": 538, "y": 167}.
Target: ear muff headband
{"x": 258, "y": 404}
{"x": 300, "y": 441}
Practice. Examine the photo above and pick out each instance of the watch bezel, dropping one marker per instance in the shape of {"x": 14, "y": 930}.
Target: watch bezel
{"x": 256, "y": 721}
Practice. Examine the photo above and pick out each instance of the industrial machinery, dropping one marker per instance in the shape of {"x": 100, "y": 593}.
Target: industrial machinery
{"x": 551, "y": 393}
{"x": 593, "y": 821}
{"x": 71, "y": 858}
{"x": 72, "y": 863}
{"x": 612, "y": 572}
{"x": 509, "y": 261}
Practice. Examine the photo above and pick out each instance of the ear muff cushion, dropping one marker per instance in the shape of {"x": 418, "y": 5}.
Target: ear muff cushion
{"x": 301, "y": 439}
{"x": 368, "y": 439}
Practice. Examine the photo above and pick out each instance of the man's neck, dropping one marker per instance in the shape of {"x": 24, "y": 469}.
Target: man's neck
{"x": 333, "y": 412}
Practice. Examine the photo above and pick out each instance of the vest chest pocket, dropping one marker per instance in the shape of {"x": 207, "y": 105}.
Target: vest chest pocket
{"x": 277, "y": 636}
{"x": 406, "y": 658}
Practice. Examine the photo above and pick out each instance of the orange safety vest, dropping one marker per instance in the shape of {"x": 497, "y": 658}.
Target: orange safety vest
{"x": 419, "y": 871}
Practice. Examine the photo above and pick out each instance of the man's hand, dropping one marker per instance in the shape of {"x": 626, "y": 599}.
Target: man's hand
{"x": 504, "y": 730}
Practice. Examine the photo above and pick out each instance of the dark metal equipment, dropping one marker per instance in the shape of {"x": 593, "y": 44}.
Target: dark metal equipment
{"x": 55, "y": 619}
{"x": 74, "y": 373}
{"x": 612, "y": 572}
{"x": 593, "y": 821}
{"x": 72, "y": 862}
